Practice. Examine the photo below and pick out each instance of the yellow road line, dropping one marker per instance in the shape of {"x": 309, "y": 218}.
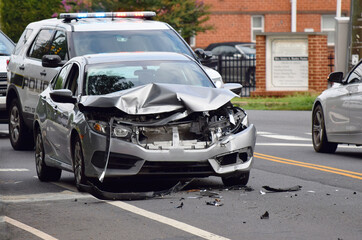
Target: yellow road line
{"x": 346, "y": 173}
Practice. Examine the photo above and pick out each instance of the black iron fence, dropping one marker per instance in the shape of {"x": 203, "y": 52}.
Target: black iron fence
{"x": 235, "y": 70}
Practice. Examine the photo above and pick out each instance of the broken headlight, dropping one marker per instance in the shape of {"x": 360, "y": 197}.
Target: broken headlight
{"x": 98, "y": 126}
{"x": 122, "y": 131}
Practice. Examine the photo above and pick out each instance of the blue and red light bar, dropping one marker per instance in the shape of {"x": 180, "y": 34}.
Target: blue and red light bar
{"x": 147, "y": 14}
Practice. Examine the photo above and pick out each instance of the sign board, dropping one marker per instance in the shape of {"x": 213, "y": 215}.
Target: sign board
{"x": 288, "y": 67}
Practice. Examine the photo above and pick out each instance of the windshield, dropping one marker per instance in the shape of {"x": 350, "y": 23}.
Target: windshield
{"x": 6, "y": 46}
{"x": 107, "y": 78}
{"x": 128, "y": 41}
{"x": 250, "y": 51}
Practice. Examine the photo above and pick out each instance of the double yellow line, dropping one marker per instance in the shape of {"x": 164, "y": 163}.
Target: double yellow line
{"x": 346, "y": 173}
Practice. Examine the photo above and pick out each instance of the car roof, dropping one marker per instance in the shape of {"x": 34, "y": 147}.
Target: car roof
{"x": 133, "y": 56}
{"x": 101, "y": 24}
{"x": 213, "y": 45}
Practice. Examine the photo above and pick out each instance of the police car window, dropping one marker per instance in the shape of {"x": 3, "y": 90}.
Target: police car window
{"x": 128, "y": 41}
{"x": 61, "y": 78}
{"x": 22, "y": 40}
{"x": 41, "y": 45}
{"x": 59, "y": 45}
{"x": 356, "y": 75}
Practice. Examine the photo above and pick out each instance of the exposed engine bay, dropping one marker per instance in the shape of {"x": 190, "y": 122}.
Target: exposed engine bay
{"x": 196, "y": 130}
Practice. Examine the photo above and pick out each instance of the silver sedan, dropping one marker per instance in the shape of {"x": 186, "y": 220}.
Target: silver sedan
{"x": 124, "y": 114}
{"x": 337, "y": 112}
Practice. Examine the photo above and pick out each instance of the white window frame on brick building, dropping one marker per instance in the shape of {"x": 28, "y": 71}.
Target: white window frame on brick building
{"x": 256, "y": 26}
{"x": 328, "y": 26}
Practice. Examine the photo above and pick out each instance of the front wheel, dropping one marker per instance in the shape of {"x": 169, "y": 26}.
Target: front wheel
{"x": 319, "y": 135}
{"x": 45, "y": 173}
{"x": 20, "y": 136}
{"x": 78, "y": 165}
{"x": 240, "y": 179}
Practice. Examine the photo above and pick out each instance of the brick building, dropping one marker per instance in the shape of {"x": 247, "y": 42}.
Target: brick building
{"x": 240, "y": 20}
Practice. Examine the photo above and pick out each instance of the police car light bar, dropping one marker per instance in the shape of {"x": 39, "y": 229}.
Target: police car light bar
{"x": 70, "y": 16}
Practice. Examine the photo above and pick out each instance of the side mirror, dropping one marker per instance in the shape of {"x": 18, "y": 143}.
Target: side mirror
{"x": 336, "y": 77}
{"x": 204, "y": 55}
{"x": 234, "y": 87}
{"x": 62, "y": 96}
{"x": 51, "y": 61}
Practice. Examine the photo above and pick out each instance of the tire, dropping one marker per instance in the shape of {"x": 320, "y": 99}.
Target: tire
{"x": 240, "y": 179}
{"x": 45, "y": 173}
{"x": 78, "y": 165}
{"x": 20, "y": 135}
{"x": 319, "y": 134}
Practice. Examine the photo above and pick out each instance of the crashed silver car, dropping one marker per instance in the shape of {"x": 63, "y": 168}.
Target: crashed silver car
{"x": 124, "y": 114}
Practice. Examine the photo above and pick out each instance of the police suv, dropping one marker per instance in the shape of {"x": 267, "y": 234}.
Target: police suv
{"x": 52, "y": 42}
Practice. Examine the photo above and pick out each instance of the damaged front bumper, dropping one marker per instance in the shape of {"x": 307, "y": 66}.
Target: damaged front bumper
{"x": 232, "y": 154}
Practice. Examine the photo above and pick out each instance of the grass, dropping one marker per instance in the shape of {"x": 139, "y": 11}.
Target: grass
{"x": 298, "y": 102}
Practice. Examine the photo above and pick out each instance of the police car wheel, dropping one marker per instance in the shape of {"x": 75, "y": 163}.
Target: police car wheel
{"x": 20, "y": 136}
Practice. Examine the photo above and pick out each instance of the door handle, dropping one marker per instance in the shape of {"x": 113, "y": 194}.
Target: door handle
{"x": 22, "y": 67}
{"x": 43, "y": 73}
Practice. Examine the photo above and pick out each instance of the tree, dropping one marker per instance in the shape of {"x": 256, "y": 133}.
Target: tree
{"x": 17, "y": 14}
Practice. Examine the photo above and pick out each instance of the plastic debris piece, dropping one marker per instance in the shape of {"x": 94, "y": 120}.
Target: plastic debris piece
{"x": 208, "y": 193}
{"x": 181, "y": 205}
{"x": 265, "y": 215}
{"x": 262, "y": 192}
{"x": 290, "y": 189}
{"x": 215, "y": 203}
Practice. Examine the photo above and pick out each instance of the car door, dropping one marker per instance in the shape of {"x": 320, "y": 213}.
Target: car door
{"x": 37, "y": 77}
{"x": 355, "y": 105}
{"x": 55, "y": 133}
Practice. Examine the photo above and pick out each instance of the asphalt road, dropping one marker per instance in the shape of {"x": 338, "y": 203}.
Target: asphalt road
{"x": 328, "y": 206}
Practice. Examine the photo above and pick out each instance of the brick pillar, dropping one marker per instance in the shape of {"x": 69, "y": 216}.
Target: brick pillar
{"x": 318, "y": 69}
{"x": 260, "y": 72}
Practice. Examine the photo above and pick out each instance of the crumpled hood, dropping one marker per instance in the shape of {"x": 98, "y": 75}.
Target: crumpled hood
{"x": 158, "y": 98}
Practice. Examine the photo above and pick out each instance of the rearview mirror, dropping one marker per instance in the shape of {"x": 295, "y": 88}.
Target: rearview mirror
{"x": 62, "y": 96}
{"x": 336, "y": 77}
{"x": 51, "y": 61}
{"x": 204, "y": 55}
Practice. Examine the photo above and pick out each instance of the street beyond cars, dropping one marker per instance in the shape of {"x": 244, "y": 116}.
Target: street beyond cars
{"x": 122, "y": 114}
{"x": 337, "y": 115}
{"x": 76, "y": 34}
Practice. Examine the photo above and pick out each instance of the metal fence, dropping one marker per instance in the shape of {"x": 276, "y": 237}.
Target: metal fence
{"x": 235, "y": 70}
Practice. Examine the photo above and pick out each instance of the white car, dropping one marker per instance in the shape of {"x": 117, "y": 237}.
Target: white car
{"x": 6, "y": 47}
{"x": 337, "y": 112}
{"x": 77, "y": 34}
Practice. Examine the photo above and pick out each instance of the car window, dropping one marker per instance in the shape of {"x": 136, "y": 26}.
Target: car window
{"x": 22, "y": 40}
{"x": 72, "y": 80}
{"x": 59, "y": 81}
{"x": 59, "y": 45}
{"x": 108, "y": 78}
{"x": 6, "y": 46}
{"x": 42, "y": 43}
{"x": 356, "y": 75}
{"x": 224, "y": 50}
{"x": 128, "y": 41}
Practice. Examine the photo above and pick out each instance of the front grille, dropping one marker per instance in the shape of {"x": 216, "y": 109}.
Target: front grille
{"x": 3, "y": 84}
{"x": 3, "y": 77}
{"x": 175, "y": 168}
{"x": 116, "y": 161}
